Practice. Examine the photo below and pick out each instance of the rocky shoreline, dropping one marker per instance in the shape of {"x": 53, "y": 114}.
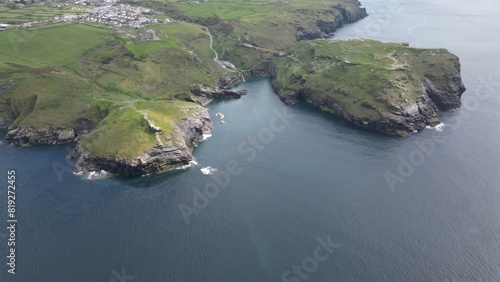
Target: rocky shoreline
{"x": 400, "y": 120}
{"x": 327, "y": 28}
{"x": 205, "y": 95}
{"x": 50, "y": 135}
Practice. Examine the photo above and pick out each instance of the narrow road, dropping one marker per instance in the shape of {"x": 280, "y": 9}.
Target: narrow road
{"x": 216, "y": 58}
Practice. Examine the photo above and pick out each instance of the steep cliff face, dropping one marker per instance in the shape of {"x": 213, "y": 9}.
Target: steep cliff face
{"x": 336, "y": 17}
{"x": 399, "y": 120}
{"x": 387, "y": 87}
{"x": 5, "y": 122}
{"x": 206, "y": 94}
{"x": 49, "y": 135}
{"x": 171, "y": 151}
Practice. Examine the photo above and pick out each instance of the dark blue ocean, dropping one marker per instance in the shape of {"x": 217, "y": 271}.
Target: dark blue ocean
{"x": 299, "y": 195}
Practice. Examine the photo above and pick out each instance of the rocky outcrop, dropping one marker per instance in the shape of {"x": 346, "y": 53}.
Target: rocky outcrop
{"x": 49, "y": 135}
{"x": 218, "y": 93}
{"x": 5, "y": 122}
{"x": 173, "y": 152}
{"x": 207, "y": 94}
{"x": 447, "y": 97}
{"x": 340, "y": 15}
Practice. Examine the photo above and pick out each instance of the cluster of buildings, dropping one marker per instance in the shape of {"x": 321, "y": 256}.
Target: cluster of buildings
{"x": 106, "y": 12}
{"x": 120, "y": 16}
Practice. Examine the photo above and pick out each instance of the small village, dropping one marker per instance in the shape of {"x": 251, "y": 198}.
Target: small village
{"x": 102, "y": 12}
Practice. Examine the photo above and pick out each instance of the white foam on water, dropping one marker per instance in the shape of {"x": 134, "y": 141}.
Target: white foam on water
{"x": 438, "y": 127}
{"x": 206, "y": 136}
{"x": 208, "y": 170}
{"x": 93, "y": 175}
{"x": 190, "y": 164}
{"x": 184, "y": 166}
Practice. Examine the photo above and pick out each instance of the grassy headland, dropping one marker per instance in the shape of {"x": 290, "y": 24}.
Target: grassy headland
{"x": 365, "y": 80}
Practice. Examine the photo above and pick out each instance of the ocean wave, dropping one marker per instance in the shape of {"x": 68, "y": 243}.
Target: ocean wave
{"x": 208, "y": 170}
{"x": 93, "y": 175}
{"x": 206, "y": 136}
{"x": 438, "y": 127}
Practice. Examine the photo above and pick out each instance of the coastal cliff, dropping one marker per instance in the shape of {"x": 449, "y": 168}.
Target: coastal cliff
{"x": 167, "y": 143}
{"x": 335, "y": 17}
{"x": 387, "y": 87}
{"x": 48, "y": 135}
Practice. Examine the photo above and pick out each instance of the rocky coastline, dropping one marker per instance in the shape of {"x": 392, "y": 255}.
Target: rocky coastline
{"x": 326, "y": 28}
{"x": 436, "y": 92}
{"x": 49, "y": 135}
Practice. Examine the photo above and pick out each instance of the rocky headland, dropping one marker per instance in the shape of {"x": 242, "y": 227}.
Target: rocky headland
{"x": 387, "y": 87}
{"x": 173, "y": 148}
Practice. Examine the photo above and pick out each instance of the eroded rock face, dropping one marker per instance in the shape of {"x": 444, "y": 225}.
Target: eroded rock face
{"x": 207, "y": 94}
{"x": 324, "y": 28}
{"x": 50, "y": 135}
{"x": 5, "y": 122}
{"x": 171, "y": 153}
{"x": 401, "y": 120}
{"x": 217, "y": 93}
{"x": 448, "y": 97}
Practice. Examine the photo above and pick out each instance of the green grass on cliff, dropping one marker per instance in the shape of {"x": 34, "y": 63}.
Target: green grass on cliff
{"x": 366, "y": 77}
{"x": 125, "y": 133}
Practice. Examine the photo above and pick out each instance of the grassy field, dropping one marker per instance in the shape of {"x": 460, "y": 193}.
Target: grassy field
{"x": 37, "y": 12}
{"x": 56, "y": 45}
{"x": 164, "y": 69}
{"x": 227, "y": 10}
{"x": 271, "y": 25}
{"x": 44, "y": 92}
